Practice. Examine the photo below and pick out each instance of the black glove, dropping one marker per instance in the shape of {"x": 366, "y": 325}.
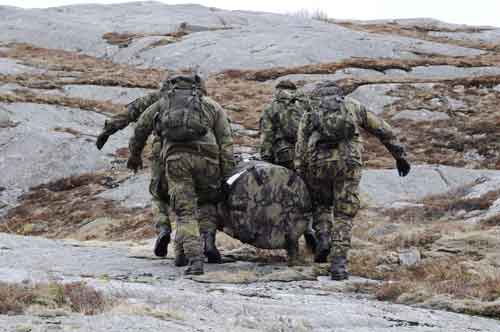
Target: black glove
{"x": 403, "y": 167}
{"x": 101, "y": 140}
{"x": 134, "y": 163}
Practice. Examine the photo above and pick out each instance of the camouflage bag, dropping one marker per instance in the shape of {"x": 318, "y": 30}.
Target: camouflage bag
{"x": 333, "y": 122}
{"x": 266, "y": 205}
{"x": 182, "y": 118}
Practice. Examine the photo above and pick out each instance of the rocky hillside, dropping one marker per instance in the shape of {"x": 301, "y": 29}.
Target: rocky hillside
{"x": 431, "y": 239}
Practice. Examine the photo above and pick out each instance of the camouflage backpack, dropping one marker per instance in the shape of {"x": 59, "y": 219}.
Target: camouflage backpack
{"x": 182, "y": 118}
{"x": 332, "y": 121}
{"x": 291, "y": 106}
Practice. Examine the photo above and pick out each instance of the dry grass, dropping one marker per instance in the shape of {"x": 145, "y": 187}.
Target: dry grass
{"x": 364, "y": 63}
{"x": 69, "y": 203}
{"x": 77, "y": 297}
{"x": 84, "y": 104}
{"x": 81, "y": 69}
{"x": 448, "y": 277}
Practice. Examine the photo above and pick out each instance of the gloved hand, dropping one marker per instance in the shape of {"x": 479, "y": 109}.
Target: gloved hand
{"x": 101, "y": 140}
{"x": 403, "y": 167}
{"x": 134, "y": 163}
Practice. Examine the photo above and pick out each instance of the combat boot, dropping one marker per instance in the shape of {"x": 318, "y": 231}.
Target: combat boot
{"x": 322, "y": 248}
{"x": 181, "y": 260}
{"x": 195, "y": 267}
{"x": 162, "y": 241}
{"x": 338, "y": 269}
{"x": 210, "y": 250}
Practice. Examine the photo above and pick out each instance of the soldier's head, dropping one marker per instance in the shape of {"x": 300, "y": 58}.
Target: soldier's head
{"x": 328, "y": 93}
{"x": 285, "y": 89}
{"x": 183, "y": 81}
{"x": 327, "y": 89}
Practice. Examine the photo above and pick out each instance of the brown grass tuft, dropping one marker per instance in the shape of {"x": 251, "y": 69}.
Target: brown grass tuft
{"x": 78, "y": 297}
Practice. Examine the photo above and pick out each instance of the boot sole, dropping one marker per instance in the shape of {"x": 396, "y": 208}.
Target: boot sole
{"x": 161, "y": 246}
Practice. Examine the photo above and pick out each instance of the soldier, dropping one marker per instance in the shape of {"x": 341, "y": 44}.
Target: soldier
{"x": 279, "y": 124}
{"x": 158, "y": 185}
{"x": 197, "y": 150}
{"x": 328, "y": 156}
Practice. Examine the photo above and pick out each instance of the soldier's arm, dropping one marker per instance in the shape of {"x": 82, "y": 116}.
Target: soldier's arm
{"x": 301, "y": 149}
{"x": 379, "y": 128}
{"x": 143, "y": 129}
{"x": 224, "y": 139}
{"x": 123, "y": 119}
{"x": 266, "y": 135}
{"x": 139, "y": 106}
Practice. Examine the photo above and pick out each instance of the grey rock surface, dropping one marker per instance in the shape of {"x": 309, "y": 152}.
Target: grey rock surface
{"x": 384, "y": 187}
{"x": 117, "y": 95}
{"x": 154, "y": 296}
{"x": 375, "y": 97}
{"x": 420, "y": 115}
{"x": 12, "y": 67}
{"x": 254, "y": 40}
{"x": 48, "y": 143}
{"x": 133, "y": 193}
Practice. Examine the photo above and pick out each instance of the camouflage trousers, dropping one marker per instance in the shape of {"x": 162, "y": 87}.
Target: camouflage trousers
{"x": 334, "y": 191}
{"x": 193, "y": 182}
{"x": 158, "y": 188}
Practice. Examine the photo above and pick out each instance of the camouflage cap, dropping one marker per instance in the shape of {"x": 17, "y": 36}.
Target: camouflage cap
{"x": 286, "y": 85}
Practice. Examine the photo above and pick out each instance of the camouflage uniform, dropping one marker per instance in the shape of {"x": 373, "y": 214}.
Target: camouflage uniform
{"x": 193, "y": 170}
{"x": 279, "y": 123}
{"x": 333, "y": 172}
{"x": 158, "y": 184}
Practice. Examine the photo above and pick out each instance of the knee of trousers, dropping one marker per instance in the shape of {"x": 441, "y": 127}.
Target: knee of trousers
{"x": 322, "y": 219}
{"x": 342, "y": 230}
{"x": 208, "y": 218}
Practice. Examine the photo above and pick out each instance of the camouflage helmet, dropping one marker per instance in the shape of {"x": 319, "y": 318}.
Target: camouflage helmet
{"x": 285, "y": 90}
{"x": 286, "y": 85}
{"x": 183, "y": 81}
{"x": 328, "y": 95}
{"x": 327, "y": 89}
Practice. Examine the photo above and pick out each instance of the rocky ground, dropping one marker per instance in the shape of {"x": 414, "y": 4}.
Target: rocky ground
{"x": 430, "y": 240}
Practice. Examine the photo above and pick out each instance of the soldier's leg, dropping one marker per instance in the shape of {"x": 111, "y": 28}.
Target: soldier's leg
{"x": 208, "y": 230}
{"x": 159, "y": 191}
{"x": 320, "y": 182}
{"x": 323, "y": 228}
{"x": 163, "y": 227}
{"x": 347, "y": 204}
{"x": 207, "y": 176}
{"x": 184, "y": 205}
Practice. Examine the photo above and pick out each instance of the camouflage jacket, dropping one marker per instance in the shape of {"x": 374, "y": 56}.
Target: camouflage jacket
{"x": 279, "y": 123}
{"x": 348, "y": 152}
{"x": 134, "y": 110}
{"x": 218, "y": 142}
